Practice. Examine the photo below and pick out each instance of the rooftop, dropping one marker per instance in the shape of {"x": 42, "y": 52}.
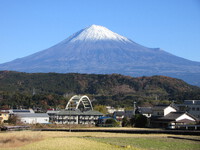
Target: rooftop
{"x": 33, "y": 115}
{"x": 162, "y": 107}
{"x": 192, "y": 102}
{"x": 145, "y": 110}
{"x": 119, "y": 113}
{"x": 78, "y": 112}
{"x": 172, "y": 116}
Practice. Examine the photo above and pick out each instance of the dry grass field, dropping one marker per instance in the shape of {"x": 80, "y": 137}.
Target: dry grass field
{"x": 36, "y": 140}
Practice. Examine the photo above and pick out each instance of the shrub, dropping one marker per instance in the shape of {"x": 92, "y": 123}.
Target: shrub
{"x": 126, "y": 122}
{"x": 140, "y": 120}
{"x": 112, "y": 122}
{"x": 13, "y": 119}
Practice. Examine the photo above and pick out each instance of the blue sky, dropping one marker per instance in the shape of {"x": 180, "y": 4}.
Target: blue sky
{"x": 29, "y": 26}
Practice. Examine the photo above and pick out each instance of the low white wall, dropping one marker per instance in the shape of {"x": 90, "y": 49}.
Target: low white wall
{"x": 34, "y": 120}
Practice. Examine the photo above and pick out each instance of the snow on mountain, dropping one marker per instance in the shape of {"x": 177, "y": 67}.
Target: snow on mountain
{"x": 96, "y": 33}
{"x": 96, "y": 49}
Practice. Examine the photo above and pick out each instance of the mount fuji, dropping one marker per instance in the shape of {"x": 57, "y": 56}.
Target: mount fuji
{"x": 98, "y": 50}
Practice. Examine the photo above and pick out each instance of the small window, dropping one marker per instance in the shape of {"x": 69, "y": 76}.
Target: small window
{"x": 193, "y": 108}
{"x": 197, "y": 108}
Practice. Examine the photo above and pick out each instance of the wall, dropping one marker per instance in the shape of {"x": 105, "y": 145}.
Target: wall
{"x": 34, "y": 120}
{"x": 168, "y": 110}
{"x": 184, "y": 116}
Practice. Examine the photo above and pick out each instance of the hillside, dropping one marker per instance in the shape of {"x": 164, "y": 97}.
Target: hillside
{"x": 112, "y": 89}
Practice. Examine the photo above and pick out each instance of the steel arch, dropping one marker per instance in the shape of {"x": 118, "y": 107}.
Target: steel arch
{"x": 75, "y": 101}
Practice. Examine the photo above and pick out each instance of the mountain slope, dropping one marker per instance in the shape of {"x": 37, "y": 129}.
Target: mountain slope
{"x": 96, "y": 84}
{"x": 46, "y": 90}
{"x": 98, "y": 50}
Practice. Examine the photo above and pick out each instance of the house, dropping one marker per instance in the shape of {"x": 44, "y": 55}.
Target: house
{"x": 33, "y": 118}
{"x": 145, "y": 111}
{"x": 4, "y": 116}
{"x": 129, "y": 114}
{"x": 173, "y": 119}
{"x": 119, "y": 115}
{"x": 163, "y": 110}
{"x": 191, "y": 106}
{"x": 165, "y": 116}
{"x": 111, "y": 110}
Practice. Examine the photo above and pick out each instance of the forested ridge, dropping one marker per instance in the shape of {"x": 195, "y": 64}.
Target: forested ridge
{"x": 54, "y": 89}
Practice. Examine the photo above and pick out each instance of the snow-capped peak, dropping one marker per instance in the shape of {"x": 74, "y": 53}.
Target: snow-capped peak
{"x": 96, "y": 32}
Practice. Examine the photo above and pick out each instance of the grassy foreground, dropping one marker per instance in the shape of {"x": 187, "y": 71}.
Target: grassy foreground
{"x": 35, "y": 140}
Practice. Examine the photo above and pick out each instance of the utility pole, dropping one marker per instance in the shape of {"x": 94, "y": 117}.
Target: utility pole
{"x": 134, "y": 108}
{"x": 69, "y": 117}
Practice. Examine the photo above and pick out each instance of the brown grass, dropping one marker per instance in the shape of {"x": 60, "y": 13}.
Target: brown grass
{"x": 25, "y": 140}
{"x": 18, "y": 139}
{"x": 59, "y": 126}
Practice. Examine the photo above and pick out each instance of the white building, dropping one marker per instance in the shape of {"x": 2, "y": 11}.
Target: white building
{"x": 163, "y": 110}
{"x": 191, "y": 106}
{"x": 167, "y": 116}
{"x": 21, "y": 111}
{"x": 33, "y": 118}
{"x": 111, "y": 110}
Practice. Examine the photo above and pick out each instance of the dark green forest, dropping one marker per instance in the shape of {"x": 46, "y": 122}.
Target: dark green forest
{"x": 53, "y": 90}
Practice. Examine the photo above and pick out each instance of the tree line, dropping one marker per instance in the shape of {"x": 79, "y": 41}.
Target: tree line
{"x": 53, "y": 90}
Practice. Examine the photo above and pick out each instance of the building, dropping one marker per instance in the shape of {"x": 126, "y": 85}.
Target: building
{"x": 34, "y": 118}
{"x": 145, "y": 111}
{"x": 111, "y": 110}
{"x": 168, "y": 116}
{"x": 79, "y": 110}
{"x": 77, "y": 117}
{"x": 163, "y": 110}
{"x": 52, "y": 115}
{"x": 119, "y": 115}
{"x": 21, "y": 111}
{"x": 191, "y": 106}
{"x": 102, "y": 122}
{"x": 129, "y": 114}
{"x": 28, "y": 116}
{"x": 4, "y": 116}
